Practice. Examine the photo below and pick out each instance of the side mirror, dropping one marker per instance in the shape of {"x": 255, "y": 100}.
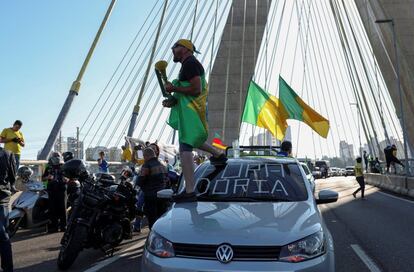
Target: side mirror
{"x": 327, "y": 196}
{"x": 165, "y": 194}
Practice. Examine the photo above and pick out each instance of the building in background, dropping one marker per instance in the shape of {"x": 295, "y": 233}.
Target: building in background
{"x": 92, "y": 153}
{"x": 266, "y": 138}
{"x": 114, "y": 154}
{"x": 346, "y": 151}
{"x": 73, "y": 146}
{"x": 61, "y": 145}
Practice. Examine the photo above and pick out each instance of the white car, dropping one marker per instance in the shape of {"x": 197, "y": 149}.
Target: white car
{"x": 252, "y": 214}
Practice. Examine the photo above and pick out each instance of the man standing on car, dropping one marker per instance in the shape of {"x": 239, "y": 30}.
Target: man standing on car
{"x": 7, "y": 179}
{"x": 152, "y": 179}
{"x": 190, "y": 90}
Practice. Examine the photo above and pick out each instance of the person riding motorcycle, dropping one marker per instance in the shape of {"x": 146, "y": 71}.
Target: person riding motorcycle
{"x": 56, "y": 188}
{"x": 73, "y": 185}
{"x": 67, "y": 156}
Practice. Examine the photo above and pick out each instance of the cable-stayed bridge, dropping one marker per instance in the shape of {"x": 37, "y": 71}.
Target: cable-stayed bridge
{"x": 332, "y": 53}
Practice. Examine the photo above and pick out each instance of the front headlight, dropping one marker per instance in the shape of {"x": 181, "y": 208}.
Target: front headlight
{"x": 159, "y": 246}
{"x": 302, "y": 250}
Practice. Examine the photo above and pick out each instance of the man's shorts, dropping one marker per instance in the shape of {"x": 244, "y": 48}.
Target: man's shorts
{"x": 185, "y": 147}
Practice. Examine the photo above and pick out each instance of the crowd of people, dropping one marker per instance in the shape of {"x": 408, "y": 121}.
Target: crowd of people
{"x": 373, "y": 164}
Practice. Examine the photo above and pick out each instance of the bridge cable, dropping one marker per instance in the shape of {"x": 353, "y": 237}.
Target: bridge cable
{"x": 163, "y": 109}
{"x": 113, "y": 75}
{"x": 339, "y": 59}
{"x": 131, "y": 84}
{"x": 202, "y": 59}
{"x": 152, "y": 77}
{"x": 369, "y": 82}
{"x": 119, "y": 65}
{"x": 141, "y": 132}
{"x": 127, "y": 91}
{"x": 327, "y": 53}
{"x": 352, "y": 73}
{"x": 362, "y": 93}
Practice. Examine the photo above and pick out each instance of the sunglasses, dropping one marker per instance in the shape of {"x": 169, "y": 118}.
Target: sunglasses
{"x": 176, "y": 45}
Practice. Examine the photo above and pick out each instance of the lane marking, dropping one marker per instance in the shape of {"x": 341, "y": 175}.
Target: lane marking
{"x": 112, "y": 259}
{"x": 365, "y": 258}
{"x": 396, "y": 197}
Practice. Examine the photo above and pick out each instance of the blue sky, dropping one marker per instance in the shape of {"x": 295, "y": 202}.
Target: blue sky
{"x": 43, "y": 46}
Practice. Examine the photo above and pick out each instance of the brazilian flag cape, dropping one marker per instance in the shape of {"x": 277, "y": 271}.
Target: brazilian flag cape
{"x": 188, "y": 116}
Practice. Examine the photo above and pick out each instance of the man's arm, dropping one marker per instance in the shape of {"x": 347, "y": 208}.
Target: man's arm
{"x": 22, "y": 143}
{"x": 194, "y": 89}
{"x": 143, "y": 176}
{"x": 3, "y": 137}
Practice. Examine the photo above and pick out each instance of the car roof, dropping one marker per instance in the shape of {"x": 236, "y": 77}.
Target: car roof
{"x": 261, "y": 159}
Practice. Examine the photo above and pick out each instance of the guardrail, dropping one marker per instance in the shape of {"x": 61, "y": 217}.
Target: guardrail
{"x": 38, "y": 167}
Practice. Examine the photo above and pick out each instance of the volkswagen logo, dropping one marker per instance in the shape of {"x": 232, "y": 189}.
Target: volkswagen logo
{"x": 224, "y": 253}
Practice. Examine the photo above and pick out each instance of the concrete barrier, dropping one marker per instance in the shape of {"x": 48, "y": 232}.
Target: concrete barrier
{"x": 397, "y": 184}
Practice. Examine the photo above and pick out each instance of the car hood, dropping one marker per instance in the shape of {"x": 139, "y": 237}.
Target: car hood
{"x": 241, "y": 223}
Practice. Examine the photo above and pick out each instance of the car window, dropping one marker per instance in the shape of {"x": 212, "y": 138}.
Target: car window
{"x": 248, "y": 181}
{"x": 306, "y": 169}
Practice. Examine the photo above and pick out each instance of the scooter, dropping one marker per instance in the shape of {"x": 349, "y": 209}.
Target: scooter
{"x": 30, "y": 209}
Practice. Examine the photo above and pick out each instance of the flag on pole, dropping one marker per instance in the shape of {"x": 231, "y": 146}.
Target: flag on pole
{"x": 265, "y": 110}
{"x": 297, "y": 109}
{"x": 217, "y": 142}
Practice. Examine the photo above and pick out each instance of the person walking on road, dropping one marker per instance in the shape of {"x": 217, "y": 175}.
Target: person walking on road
{"x": 359, "y": 174}
{"x": 7, "y": 180}
{"x": 13, "y": 140}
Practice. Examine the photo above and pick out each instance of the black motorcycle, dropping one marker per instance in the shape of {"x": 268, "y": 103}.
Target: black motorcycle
{"x": 100, "y": 219}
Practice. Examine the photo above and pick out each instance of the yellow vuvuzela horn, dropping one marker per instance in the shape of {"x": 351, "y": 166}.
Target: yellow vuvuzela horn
{"x": 161, "y": 66}
{"x": 161, "y": 72}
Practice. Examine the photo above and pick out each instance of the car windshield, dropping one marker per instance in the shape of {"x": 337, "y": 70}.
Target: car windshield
{"x": 250, "y": 181}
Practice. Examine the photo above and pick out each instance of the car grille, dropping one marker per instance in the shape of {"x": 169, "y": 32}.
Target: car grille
{"x": 242, "y": 253}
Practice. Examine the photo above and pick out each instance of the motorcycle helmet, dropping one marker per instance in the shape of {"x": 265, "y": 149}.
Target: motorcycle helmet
{"x": 74, "y": 169}
{"x": 25, "y": 172}
{"x": 55, "y": 159}
{"x": 67, "y": 156}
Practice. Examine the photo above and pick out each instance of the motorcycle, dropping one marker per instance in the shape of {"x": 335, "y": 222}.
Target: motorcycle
{"x": 30, "y": 209}
{"x": 100, "y": 219}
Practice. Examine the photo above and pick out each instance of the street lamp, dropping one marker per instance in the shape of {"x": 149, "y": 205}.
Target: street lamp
{"x": 359, "y": 126}
{"x": 387, "y": 21}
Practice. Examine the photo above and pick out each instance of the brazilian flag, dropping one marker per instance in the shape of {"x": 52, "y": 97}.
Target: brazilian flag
{"x": 188, "y": 116}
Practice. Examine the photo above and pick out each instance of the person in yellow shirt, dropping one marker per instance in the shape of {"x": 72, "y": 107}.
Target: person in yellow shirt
{"x": 13, "y": 140}
{"x": 126, "y": 154}
{"x": 359, "y": 177}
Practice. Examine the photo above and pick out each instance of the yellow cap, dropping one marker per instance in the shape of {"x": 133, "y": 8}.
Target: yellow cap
{"x": 187, "y": 44}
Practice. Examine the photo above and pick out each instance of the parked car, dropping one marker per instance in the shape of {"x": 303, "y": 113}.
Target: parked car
{"x": 350, "y": 171}
{"x": 252, "y": 214}
{"x": 324, "y": 167}
{"x": 342, "y": 172}
{"x": 316, "y": 173}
